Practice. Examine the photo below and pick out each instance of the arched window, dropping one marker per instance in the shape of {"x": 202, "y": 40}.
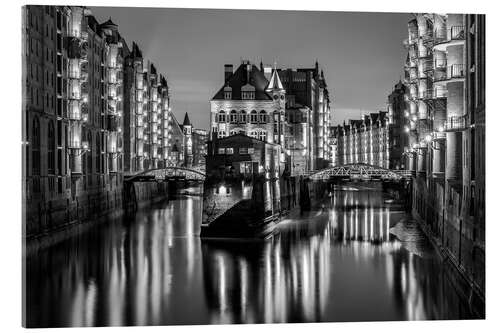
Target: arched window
{"x": 35, "y": 147}
{"x": 233, "y": 117}
{"x": 51, "y": 148}
{"x": 222, "y": 116}
{"x": 243, "y": 116}
{"x": 254, "y": 134}
{"x": 263, "y": 116}
{"x": 253, "y": 116}
{"x": 233, "y": 132}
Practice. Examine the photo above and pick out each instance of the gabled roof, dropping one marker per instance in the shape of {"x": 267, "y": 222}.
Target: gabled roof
{"x": 239, "y": 78}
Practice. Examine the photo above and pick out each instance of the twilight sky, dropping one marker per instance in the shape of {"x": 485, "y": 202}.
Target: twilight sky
{"x": 362, "y": 54}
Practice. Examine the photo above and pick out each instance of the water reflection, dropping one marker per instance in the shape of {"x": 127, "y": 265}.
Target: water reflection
{"x": 338, "y": 263}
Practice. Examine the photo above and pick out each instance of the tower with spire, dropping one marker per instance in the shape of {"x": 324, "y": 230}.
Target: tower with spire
{"x": 187, "y": 130}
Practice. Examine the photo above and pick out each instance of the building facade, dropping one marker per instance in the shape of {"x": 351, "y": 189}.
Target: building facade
{"x": 307, "y": 87}
{"x": 250, "y": 104}
{"x": 290, "y": 108}
{"x": 147, "y": 115}
{"x": 445, "y": 72}
{"x": 200, "y": 138}
{"x": 92, "y": 110}
{"x": 72, "y": 116}
{"x": 366, "y": 140}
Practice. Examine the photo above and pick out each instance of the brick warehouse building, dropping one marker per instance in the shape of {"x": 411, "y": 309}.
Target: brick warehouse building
{"x": 75, "y": 115}
{"x": 365, "y": 140}
{"x": 445, "y": 73}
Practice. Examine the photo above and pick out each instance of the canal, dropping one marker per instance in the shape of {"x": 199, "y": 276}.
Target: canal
{"x": 355, "y": 258}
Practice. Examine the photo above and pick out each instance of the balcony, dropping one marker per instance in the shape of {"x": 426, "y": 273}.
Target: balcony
{"x": 455, "y": 123}
{"x": 456, "y": 71}
{"x": 451, "y": 36}
{"x": 440, "y": 92}
{"x": 112, "y": 123}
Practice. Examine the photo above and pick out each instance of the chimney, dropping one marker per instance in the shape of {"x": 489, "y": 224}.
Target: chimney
{"x": 228, "y": 71}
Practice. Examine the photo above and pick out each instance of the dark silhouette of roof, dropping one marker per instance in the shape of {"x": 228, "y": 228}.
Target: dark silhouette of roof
{"x": 239, "y": 79}
{"x": 186, "y": 121}
{"x": 109, "y": 23}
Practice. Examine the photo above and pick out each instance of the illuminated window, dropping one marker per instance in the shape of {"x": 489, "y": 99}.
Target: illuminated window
{"x": 229, "y": 151}
{"x": 221, "y": 151}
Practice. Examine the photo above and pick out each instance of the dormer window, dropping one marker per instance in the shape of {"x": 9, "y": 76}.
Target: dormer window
{"x": 248, "y": 95}
{"x": 248, "y": 92}
{"x": 228, "y": 93}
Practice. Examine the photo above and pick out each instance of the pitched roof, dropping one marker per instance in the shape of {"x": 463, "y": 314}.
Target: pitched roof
{"x": 239, "y": 79}
{"x": 186, "y": 121}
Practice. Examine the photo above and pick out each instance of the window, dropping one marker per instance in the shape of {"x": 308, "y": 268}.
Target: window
{"x": 262, "y": 135}
{"x": 222, "y": 117}
{"x": 263, "y": 116}
{"x": 253, "y": 116}
{"x": 229, "y": 151}
{"x": 35, "y": 147}
{"x": 51, "y": 148}
{"x": 221, "y": 151}
{"x": 227, "y": 95}
{"x": 251, "y": 150}
{"x": 243, "y": 151}
{"x": 248, "y": 95}
{"x": 243, "y": 116}
{"x": 233, "y": 117}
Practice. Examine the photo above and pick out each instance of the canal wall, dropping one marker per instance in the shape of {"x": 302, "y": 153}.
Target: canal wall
{"x": 450, "y": 232}
{"x": 246, "y": 207}
{"x": 52, "y": 222}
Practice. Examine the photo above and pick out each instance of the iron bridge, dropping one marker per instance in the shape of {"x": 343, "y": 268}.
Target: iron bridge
{"x": 361, "y": 171}
{"x": 169, "y": 173}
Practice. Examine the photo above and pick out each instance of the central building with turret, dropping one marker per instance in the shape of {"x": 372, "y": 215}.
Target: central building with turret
{"x": 251, "y": 102}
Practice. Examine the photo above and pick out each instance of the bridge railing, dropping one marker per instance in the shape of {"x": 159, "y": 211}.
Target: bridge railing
{"x": 169, "y": 172}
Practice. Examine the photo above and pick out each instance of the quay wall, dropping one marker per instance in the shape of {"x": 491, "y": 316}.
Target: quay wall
{"x": 48, "y": 222}
{"x": 438, "y": 209}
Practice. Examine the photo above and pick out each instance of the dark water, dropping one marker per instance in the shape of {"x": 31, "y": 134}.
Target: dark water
{"x": 342, "y": 262}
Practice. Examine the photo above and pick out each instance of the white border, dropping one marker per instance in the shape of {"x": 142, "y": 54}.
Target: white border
{"x": 10, "y": 131}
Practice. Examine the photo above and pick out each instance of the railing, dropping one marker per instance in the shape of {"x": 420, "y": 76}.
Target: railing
{"x": 455, "y": 123}
{"x": 455, "y": 71}
{"x": 456, "y": 32}
{"x": 440, "y": 92}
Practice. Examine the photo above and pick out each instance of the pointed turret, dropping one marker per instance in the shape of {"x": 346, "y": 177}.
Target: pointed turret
{"x": 186, "y": 121}
{"x": 275, "y": 82}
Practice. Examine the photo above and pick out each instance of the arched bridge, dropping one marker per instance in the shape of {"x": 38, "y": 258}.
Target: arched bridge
{"x": 360, "y": 171}
{"x": 168, "y": 173}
